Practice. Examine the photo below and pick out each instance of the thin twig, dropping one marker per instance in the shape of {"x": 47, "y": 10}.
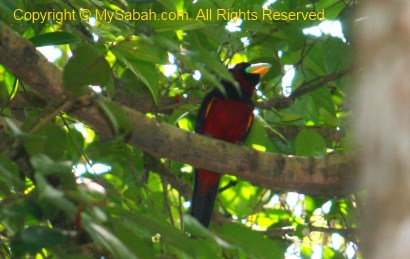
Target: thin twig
{"x": 304, "y": 88}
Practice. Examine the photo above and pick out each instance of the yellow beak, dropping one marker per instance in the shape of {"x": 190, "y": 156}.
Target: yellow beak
{"x": 259, "y": 68}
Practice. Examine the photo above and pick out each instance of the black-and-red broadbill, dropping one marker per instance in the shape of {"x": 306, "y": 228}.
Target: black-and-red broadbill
{"x": 226, "y": 116}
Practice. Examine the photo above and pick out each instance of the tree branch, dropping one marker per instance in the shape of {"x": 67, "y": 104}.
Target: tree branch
{"x": 304, "y": 88}
{"x": 291, "y": 132}
{"x": 330, "y": 176}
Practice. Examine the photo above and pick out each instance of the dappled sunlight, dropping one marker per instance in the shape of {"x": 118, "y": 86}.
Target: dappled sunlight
{"x": 333, "y": 28}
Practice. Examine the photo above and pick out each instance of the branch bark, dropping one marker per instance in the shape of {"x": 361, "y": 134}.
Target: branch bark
{"x": 330, "y": 176}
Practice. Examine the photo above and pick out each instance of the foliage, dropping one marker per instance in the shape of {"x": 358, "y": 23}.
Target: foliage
{"x": 66, "y": 193}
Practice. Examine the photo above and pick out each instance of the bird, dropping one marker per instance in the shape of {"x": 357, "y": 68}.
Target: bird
{"x": 225, "y": 115}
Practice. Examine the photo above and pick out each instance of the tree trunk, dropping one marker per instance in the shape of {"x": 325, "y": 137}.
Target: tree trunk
{"x": 384, "y": 126}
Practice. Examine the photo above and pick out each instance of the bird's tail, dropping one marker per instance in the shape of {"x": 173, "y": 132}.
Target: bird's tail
{"x": 205, "y": 191}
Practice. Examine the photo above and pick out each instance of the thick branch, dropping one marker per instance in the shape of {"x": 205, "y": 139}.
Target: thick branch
{"x": 330, "y": 176}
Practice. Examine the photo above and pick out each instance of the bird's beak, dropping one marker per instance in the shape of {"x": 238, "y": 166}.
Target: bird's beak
{"x": 259, "y": 68}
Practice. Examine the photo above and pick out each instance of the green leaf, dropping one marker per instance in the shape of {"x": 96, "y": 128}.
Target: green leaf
{"x": 169, "y": 235}
{"x": 328, "y": 118}
{"x": 119, "y": 120}
{"x": 258, "y": 135}
{"x": 337, "y": 55}
{"x": 47, "y": 166}
{"x": 310, "y": 204}
{"x": 14, "y": 214}
{"x": 53, "y": 196}
{"x": 313, "y": 63}
{"x": 195, "y": 228}
{"x": 254, "y": 244}
{"x": 54, "y": 38}
{"x": 310, "y": 143}
{"x": 9, "y": 176}
{"x": 137, "y": 49}
{"x": 50, "y": 140}
{"x": 215, "y": 65}
{"x": 77, "y": 256}
{"x": 87, "y": 67}
{"x": 7, "y": 8}
{"x": 136, "y": 239}
{"x": 139, "y": 60}
{"x": 332, "y": 7}
{"x": 9, "y": 86}
{"x": 329, "y": 253}
{"x": 173, "y": 25}
{"x": 240, "y": 199}
{"x": 33, "y": 238}
{"x": 306, "y": 251}
{"x": 289, "y": 117}
{"x": 323, "y": 99}
{"x": 213, "y": 242}
{"x": 111, "y": 242}
{"x": 292, "y": 35}
{"x": 147, "y": 73}
{"x": 180, "y": 113}
{"x": 58, "y": 172}
{"x": 279, "y": 217}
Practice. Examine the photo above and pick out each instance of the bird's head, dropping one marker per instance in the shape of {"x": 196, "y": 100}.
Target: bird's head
{"x": 248, "y": 75}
